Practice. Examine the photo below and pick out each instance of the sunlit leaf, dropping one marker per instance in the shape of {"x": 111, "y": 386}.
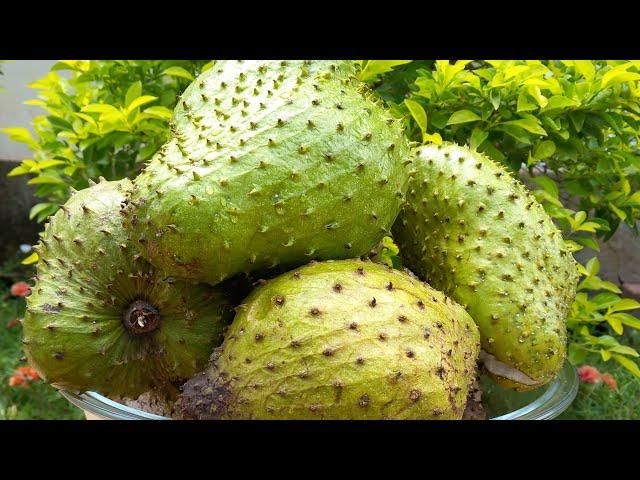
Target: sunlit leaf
{"x": 462, "y": 116}
{"x": 178, "y": 72}
{"x": 138, "y": 102}
{"x": 373, "y": 68}
{"x": 628, "y": 364}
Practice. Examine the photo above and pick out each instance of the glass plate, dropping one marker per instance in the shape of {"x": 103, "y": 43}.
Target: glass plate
{"x": 544, "y": 403}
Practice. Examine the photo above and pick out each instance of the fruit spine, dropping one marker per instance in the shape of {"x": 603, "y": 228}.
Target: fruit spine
{"x": 341, "y": 339}
{"x": 100, "y": 318}
{"x": 270, "y": 164}
{"x": 472, "y": 230}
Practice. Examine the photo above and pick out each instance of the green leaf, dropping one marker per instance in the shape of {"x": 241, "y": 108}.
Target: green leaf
{"x": 80, "y": 65}
{"x": 627, "y": 319}
{"x": 616, "y": 324}
{"x": 21, "y": 135}
{"x": 101, "y": 108}
{"x": 530, "y": 124}
{"x": 439, "y": 118}
{"x": 147, "y": 151}
{"x": 604, "y": 300}
{"x": 40, "y": 207}
{"x": 50, "y": 163}
{"x": 593, "y": 266}
{"x": 547, "y": 184}
{"x": 577, "y": 118}
{"x": 628, "y": 364}
{"x": 580, "y": 217}
{"x": 534, "y": 90}
{"x": 159, "y": 112}
{"x": 207, "y": 66}
{"x": 620, "y": 213}
{"x": 418, "y": 114}
{"x": 590, "y": 227}
{"x": 494, "y": 97}
{"x": 462, "y": 116}
{"x": 59, "y": 123}
{"x": 614, "y": 77}
{"x": 373, "y": 68}
{"x": 635, "y": 198}
{"x": 606, "y": 341}
{"x": 588, "y": 242}
{"x": 87, "y": 118}
{"x": 625, "y": 304}
{"x": 612, "y": 287}
{"x": 70, "y": 170}
{"x": 544, "y": 150}
{"x": 493, "y": 152}
{"x": 625, "y": 350}
{"x": 577, "y": 354}
{"x": 108, "y": 113}
{"x": 19, "y": 170}
{"x": 138, "y": 102}
{"x": 45, "y": 179}
{"x": 478, "y": 136}
{"x": 585, "y": 68}
{"x": 178, "y": 72}
{"x": 606, "y": 355}
{"x": 33, "y": 258}
{"x": 595, "y": 283}
{"x": 516, "y": 132}
{"x": 560, "y": 102}
{"x": 524, "y": 105}
{"x": 553, "y": 202}
{"x": 573, "y": 246}
{"x": 134, "y": 91}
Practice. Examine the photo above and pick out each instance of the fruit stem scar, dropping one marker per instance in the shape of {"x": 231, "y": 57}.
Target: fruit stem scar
{"x": 141, "y": 317}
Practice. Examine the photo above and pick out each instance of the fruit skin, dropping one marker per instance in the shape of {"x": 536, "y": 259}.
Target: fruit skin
{"x": 345, "y": 339}
{"x": 88, "y": 275}
{"x": 271, "y": 164}
{"x": 472, "y": 230}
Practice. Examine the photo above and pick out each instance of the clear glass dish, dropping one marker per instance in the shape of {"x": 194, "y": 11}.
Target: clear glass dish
{"x": 544, "y": 403}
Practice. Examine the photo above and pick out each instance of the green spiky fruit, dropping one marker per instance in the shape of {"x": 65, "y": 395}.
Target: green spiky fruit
{"x": 472, "y": 230}
{"x": 100, "y": 318}
{"x": 344, "y": 339}
{"x": 271, "y": 163}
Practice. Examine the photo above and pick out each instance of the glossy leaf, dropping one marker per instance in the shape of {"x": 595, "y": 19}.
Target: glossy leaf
{"x": 462, "y": 116}
{"x": 178, "y": 72}
{"x": 418, "y": 114}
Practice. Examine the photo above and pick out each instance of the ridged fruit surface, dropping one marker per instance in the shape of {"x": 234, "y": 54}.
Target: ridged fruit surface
{"x": 472, "y": 230}
{"x": 101, "y": 318}
{"x": 271, "y": 163}
{"x": 344, "y": 339}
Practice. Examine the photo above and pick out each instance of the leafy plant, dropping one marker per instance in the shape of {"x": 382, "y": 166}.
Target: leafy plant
{"x": 569, "y": 129}
{"x": 103, "y": 118}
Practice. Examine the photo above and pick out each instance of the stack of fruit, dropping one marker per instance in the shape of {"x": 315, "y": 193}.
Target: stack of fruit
{"x": 295, "y": 171}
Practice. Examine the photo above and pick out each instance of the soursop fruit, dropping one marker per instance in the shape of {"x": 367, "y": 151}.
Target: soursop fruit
{"x": 344, "y": 339}
{"x": 472, "y": 230}
{"x": 101, "y": 318}
{"x": 270, "y": 164}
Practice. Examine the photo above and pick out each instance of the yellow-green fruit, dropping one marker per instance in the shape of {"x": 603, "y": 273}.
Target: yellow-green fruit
{"x": 342, "y": 339}
{"x": 101, "y": 318}
{"x": 472, "y": 230}
{"x": 270, "y": 164}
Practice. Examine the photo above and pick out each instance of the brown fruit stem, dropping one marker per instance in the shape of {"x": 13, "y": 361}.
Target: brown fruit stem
{"x": 141, "y": 317}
